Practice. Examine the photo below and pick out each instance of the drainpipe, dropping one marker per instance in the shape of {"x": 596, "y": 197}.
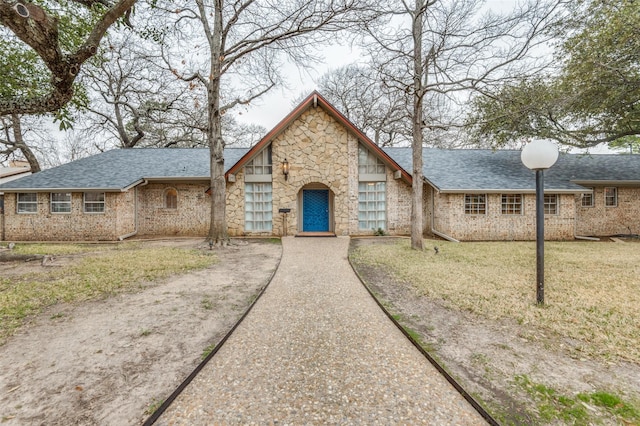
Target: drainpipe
{"x": 433, "y": 214}
{"x": 135, "y": 212}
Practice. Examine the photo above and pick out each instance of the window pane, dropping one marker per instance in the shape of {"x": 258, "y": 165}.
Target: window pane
{"x": 372, "y": 212}
{"x": 258, "y": 207}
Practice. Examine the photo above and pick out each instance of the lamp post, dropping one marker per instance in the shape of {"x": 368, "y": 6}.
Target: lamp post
{"x": 539, "y": 155}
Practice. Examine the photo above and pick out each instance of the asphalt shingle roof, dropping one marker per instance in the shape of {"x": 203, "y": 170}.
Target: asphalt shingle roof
{"x": 447, "y": 170}
{"x": 486, "y": 170}
{"x": 121, "y": 168}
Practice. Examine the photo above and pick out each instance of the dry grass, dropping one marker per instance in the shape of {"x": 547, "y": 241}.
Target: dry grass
{"x": 101, "y": 270}
{"x": 592, "y": 289}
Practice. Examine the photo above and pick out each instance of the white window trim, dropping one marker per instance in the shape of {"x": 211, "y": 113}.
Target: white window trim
{"x": 104, "y": 202}
{"x": 51, "y": 202}
{"x": 26, "y": 202}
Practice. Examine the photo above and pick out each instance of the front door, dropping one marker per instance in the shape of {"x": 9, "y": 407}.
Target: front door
{"x": 315, "y": 210}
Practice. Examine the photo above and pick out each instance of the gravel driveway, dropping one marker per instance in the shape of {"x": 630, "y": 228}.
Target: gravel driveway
{"x": 317, "y": 349}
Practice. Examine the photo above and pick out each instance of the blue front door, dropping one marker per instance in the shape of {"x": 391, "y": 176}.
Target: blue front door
{"x": 315, "y": 210}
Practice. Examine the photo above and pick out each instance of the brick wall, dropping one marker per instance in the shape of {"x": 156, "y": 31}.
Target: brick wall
{"x": 75, "y": 226}
{"x": 190, "y": 218}
{"x": 601, "y": 221}
{"x": 450, "y": 219}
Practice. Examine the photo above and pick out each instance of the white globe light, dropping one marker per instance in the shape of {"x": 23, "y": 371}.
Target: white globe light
{"x": 539, "y": 154}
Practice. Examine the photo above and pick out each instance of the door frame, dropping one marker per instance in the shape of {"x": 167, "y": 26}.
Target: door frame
{"x": 316, "y": 186}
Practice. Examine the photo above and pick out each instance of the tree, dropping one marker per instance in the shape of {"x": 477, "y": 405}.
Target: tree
{"x": 59, "y": 43}
{"x": 12, "y": 141}
{"x": 238, "y": 59}
{"x": 436, "y": 52}
{"x": 591, "y": 99}
{"x": 360, "y": 95}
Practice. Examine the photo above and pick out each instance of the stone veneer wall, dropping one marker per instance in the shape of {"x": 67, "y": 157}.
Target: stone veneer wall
{"x": 321, "y": 153}
{"x": 450, "y": 219}
{"x": 74, "y": 226}
{"x": 602, "y": 221}
{"x": 190, "y": 218}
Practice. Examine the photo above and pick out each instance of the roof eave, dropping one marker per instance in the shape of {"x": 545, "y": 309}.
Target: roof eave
{"x": 606, "y": 182}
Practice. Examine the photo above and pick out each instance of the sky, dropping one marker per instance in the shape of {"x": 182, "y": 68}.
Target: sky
{"x": 270, "y": 109}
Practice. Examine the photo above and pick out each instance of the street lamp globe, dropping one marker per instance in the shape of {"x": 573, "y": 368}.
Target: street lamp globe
{"x": 539, "y": 155}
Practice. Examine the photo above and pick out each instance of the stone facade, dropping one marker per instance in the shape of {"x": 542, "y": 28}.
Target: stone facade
{"x": 600, "y": 220}
{"x": 450, "y": 219}
{"x": 322, "y": 154}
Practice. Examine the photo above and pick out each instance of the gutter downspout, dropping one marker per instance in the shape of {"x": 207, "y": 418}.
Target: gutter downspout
{"x": 433, "y": 214}
{"x": 135, "y": 212}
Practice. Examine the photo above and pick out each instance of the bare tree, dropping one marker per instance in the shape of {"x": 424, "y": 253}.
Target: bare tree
{"x": 360, "y": 95}
{"x": 238, "y": 59}
{"x": 12, "y": 141}
{"x": 438, "y": 51}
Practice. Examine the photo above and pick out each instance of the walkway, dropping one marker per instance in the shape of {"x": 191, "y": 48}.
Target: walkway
{"x": 316, "y": 349}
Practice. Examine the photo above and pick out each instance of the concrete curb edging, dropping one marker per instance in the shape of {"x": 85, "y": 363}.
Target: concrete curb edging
{"x": 475, "y": 404}
{"x": 167, "y": 402}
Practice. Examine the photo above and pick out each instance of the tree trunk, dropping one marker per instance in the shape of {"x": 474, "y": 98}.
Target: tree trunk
{"x": 416, "y": 145}
{"x": 26, "y": 151}
{"x": 218, "y": 227}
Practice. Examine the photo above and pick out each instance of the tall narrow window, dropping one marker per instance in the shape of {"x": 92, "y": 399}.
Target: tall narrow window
{"x": 60, "y": 202}
{"x": 475, "y": 204}
{"x": 611, "y": 196}
{"x": 28, "y": 202}
{"x": 550, "y": 203}
{"x": 171, "y": 198}
{"x": 511, "y": 203}
{"x": 258, "y": 207}
{"x": 94, "y": 202}
{"x": 587, "y": 199}
{"x": 372, "y": 207}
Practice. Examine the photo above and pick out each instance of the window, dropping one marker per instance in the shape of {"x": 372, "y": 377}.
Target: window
{"x": 587, "y": 199}
{"x": 372, "y": 207}
{"x": 475, "y": 204}
{"x": 258, "y": 209}
{"x": 171, "y": 198}
{"x": 60, "y": 202}
{"x": 28, "y": 202}
{"x": 511, "y": 203}
{"x": 369, "y": 164}
{"x": 261, "y": 163}
{"x": 550, "y": 203}
{"x": 94, "y": 202}
{"x": 611, "y": 196}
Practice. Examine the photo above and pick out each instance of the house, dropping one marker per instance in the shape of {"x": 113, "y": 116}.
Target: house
{"x": 16, "y": 169}
{"x": 315, "y": 173}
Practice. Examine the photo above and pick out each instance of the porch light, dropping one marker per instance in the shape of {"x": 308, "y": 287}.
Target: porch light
{"x": 285, "y": 169}
{"x": 539, "y": 155}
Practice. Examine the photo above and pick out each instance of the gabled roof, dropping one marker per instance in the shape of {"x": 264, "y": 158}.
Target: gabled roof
{"x": 316, "y": 100}
{"x": 120, "y": 169}
{"x": 461, "y": 170}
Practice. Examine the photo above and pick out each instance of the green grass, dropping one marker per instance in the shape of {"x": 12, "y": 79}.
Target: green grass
{"x": 592, "y": 289}
{"x": 582, "y": 409}
{"x": 100, "y": 271}
{"x": 207, "y": 351}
